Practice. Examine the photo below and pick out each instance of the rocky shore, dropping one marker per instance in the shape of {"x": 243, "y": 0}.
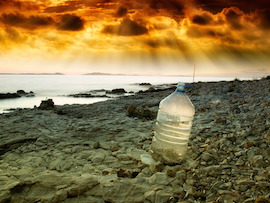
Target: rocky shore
{"x": 92, "y": 153}
{"x": 19, "y": 93}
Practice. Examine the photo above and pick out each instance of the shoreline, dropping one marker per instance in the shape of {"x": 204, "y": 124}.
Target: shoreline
{"x": 79, "y": 97}
{"x": 91, "y": 152}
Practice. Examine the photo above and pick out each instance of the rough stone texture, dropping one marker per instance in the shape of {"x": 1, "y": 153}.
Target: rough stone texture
{"x": 46, "y": 105}
{"x": 91, "y": 153}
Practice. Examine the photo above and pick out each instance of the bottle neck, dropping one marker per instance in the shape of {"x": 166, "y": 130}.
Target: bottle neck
{"x": 180, "y": 87}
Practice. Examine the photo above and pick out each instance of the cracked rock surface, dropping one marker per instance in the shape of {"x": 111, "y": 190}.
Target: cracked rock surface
{"x": 91, "y": 153}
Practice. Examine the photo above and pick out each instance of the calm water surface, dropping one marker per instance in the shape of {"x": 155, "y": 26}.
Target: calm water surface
{"x": 58, "y": 86}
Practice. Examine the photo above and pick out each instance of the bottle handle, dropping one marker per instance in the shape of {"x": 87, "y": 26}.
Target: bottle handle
{"x": 190, "y": 88}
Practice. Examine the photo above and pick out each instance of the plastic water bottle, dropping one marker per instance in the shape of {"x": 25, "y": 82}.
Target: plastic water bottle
{"x": 173, "y": 126}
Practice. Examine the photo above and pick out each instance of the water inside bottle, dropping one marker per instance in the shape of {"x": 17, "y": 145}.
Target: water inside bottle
{"x": 173, "y": 126}
{"x": 171, "y": 137}
{"x": 172, "y": 132}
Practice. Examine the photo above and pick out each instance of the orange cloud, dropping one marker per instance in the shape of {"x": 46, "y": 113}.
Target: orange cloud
{"x": 179, "y": 29}
{"x": 71, "y": 23}
{"x": 32, "y": 22}
{"x": 126, "y": 28}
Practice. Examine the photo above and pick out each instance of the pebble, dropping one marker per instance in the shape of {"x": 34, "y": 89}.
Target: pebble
{"x": 114, "y": 148}
{"x": 258, "y": 161}
{"x": 159, "y": 178}
{"x": 77, "y": 153}
{"x": 98, "y": 157}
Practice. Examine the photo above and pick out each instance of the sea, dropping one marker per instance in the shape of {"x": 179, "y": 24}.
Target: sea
{"x": 57, "y": 87}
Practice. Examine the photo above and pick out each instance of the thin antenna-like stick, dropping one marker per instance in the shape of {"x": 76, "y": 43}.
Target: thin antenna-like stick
{"x": 194, "y": 73}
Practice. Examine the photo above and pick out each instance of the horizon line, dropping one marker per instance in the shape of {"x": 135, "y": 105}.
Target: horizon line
{"x": 233, "y": 75}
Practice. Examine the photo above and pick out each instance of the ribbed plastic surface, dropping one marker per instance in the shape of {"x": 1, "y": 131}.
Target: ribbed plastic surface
{"x": 172, "y": 130}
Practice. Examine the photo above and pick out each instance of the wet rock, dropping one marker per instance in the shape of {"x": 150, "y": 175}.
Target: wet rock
{"x": 117, "y": 91}
{"x": 26, "y": 94}
{"x": 9, "y": 95}
{"x": 21, "y": 92}
{"x": 46, "y": 104}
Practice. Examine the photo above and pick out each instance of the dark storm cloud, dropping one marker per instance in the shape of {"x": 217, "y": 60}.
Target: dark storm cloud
{"x": 251, "y": 5}
{"x": 167, "y": 4}
{"x": 18, "y": 5}
{"x": 126, "y": 28}
{"x": 71, "y": 23}
{"x": 20, "y": 20}
{"x": 60, "y": 9}
{"x": 121, "y": 11}
{"x": 204, "y": 19}
{"x": 169, "y": 8}
{"x": 263, "y": 18}
{"x": 216, "y": 6}
{"x": 10, "y": 3}
{"x": 233, "y": 17}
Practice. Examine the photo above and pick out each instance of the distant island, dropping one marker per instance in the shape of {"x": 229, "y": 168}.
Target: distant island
{"x": 121, "y": 74}
{"x": 99, "y": 73}
{"x": 32, "y": 74}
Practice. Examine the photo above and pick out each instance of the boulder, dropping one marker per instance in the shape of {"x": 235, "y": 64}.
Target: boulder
{"x": 46, "y": 104}
{"x": 25, "y": 94}
{"x": 21, "y": 92}
{"x": 118, "y": 91}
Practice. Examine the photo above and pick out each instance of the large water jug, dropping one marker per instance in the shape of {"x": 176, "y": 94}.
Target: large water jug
{"x": 173, "y": 126}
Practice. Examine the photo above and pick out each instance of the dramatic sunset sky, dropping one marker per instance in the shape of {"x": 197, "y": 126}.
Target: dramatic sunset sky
{"x": 135, "y": 36}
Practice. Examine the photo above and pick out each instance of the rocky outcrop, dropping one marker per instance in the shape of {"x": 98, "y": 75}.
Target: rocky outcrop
{"x": 87, "y": 95}
{"x": 92, "y": 153}
{"x": 9, "y": 95}
{"x": 117, "y": 91}
{"x": 20, "y": 93}
{"x": 26, "y": 94}
{"x": 46, "y": 104}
